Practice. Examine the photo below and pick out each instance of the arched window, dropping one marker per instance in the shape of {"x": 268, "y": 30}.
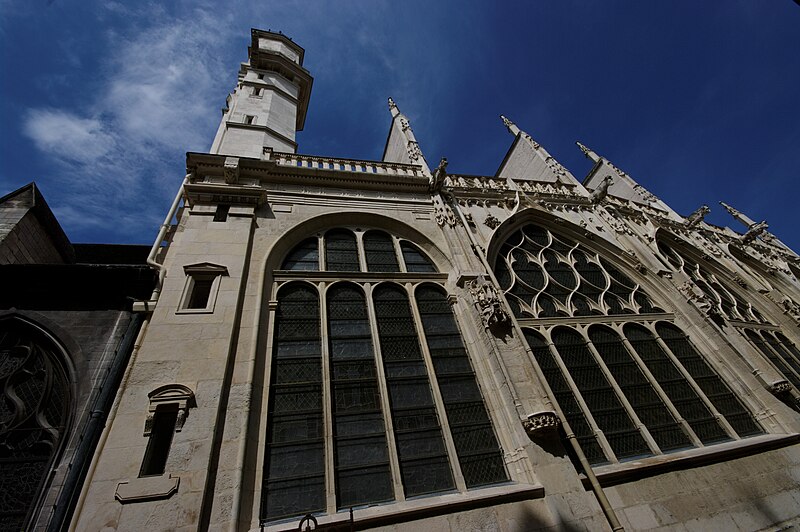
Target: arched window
{"x": 34, "y": 409}
{"x": 373, "y": 397}
{"x": 294, "y": 472}
{"x": 630, "y": 386}
{"x": 743, "y": 316}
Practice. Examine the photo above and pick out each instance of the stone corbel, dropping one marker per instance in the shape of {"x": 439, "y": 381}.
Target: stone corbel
{"x": 231, "y": 170}
{"x": 779, "y": 387}
{"x": 488, "y": 303}
{"x": 541, "y": 425}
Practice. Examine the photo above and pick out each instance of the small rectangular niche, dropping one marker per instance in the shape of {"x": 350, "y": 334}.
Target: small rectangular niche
{"x": 221, "y": 214}
{"x": 249, "y": 119}
{"x": 163, "y": 428}
{"x": 258, "y": 91}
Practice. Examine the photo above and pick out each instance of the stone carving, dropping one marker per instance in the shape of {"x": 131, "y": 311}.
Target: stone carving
{"x": 487, "y": 302}
{"x": 469, "y": 219}
{"x": 644, "y": 193}
{"x": 601, "y": 191}
{"x": 616, "y": 222}
{"x": 231, "y": 170}
{"x": 753, "y": 231}
{"x": 779, "y": 387}
{"x": 696, "y": 217}
{"x": 700, "y": 300}
{"x": 541, "y": 424}
{"x": 637, "y": 263}
{"x": 392, "y": 105}
{"x": 404, "y": 125}
{"x": 556, "y": 167}
{"x": 439, "y": 175}
{"x": 413, "y": 150}
{"x": 738, "y": 280}
{"x": 491, "y": 221}
{"x": 443, "y": 214}
{"x": 791, "y": 309}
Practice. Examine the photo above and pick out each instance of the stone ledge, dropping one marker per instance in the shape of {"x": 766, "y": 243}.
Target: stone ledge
{"x": 611, "y": 475}
{"x": 147, "y": 489}
{"x": 424, "y": 507}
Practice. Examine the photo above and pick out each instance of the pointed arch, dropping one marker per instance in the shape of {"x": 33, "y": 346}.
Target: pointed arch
{"x": 36, "y": 411}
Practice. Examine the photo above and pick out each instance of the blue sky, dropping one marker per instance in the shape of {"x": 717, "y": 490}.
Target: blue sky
{"x": 698, "y": 101}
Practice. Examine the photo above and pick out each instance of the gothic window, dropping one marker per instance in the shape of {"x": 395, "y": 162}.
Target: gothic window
{"x": 774, "y": 346}
{"x": 169, "y": 405}
{"x": 629, "y": 383}
{"x": 34, "y": 409}
{"x": 372, "y": 394}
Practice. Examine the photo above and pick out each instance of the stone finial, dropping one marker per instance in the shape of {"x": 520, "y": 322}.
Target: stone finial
{"x": 601, "y": 191}
{"x": 738, "y": 215}
{"x": 696, "y": 217}
{"x": 588, "y": 152}
{"x": 393, "y": 107}
{"x": 512, "y": 128}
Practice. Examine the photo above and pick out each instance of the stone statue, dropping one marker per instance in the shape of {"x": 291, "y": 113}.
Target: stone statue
{"x": 439, "y": 175}
{"x": 696, "y": 217}
{"x": 487, "y": 302}
{"x": 602, "y": 190}
{"x": 754, "y": 231}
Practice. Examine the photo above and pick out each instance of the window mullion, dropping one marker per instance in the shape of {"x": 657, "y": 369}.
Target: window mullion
{"x": 362, "y": 252}
{"x": 327, "y": 409}
{"x": 461, "y": 485}
{"x": 657, "y": 387}
{"x": 394, "y": 460}
{"x": 780, "y": 350}
{"x": 621, "y": 395}
{"x": 601, "y": 437}
{"x": 401, "y": 260}
{"x": 699, "y": 391}
{"x": 321, "y": 253}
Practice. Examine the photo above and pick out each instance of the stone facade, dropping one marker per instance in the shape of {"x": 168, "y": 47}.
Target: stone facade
{"x": 526, "y": 258}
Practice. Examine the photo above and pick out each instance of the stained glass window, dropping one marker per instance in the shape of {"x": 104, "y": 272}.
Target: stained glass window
{"x": 34, "y": 407}
{"x": 361, "y": 455}
{"x": 476, "y": 445}
{"x": 341, "y": 251}
{"x": 424, "y": 465}
{"x": 294, "y": 474}
{"x": 304, "y": 256}
{"x": 380, "y": 253}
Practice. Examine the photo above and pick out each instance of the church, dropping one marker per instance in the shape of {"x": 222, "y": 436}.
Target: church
{"x": 326, "y": 343}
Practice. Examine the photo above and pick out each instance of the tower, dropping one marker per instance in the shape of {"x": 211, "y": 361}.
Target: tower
{"x": 269, "y": 104}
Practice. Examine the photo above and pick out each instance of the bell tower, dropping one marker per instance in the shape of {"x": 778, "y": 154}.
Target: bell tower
{"x": 270, "y": 101}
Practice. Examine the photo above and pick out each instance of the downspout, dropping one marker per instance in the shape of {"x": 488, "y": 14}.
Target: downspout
{"x": 162, "y": 232}
{"x": 597, "y": 489}
{"x": 94, "y": 426}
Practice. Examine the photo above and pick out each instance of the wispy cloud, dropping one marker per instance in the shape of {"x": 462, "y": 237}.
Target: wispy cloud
{"x": 157, "y": 100}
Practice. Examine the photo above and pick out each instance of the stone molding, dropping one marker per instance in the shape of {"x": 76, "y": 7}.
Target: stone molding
{"x": 147, "y": 489}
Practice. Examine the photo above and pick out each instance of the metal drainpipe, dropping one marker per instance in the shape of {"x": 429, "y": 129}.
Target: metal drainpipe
{"x": 94, "y": 426}
{"x": 162, "y": 232}
{"x": 597, "y": 489}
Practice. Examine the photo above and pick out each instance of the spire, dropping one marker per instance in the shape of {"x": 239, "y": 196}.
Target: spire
{"x": 738, "y": 215}
{"x": 401, "y": 144}
{"x": 588, "y": 152}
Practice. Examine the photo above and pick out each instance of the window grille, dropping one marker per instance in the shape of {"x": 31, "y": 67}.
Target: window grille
{"x": 294, "y": 473}
{"x": 402, "y": 397}
{"x": 627, "y": 388}
{"x": 478, "y": 452}
{"x": 380, "y": 253}
{"x": 342, "y": 251}
{"x": 361, "y": 453}
{"x": 34, "y": 407}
